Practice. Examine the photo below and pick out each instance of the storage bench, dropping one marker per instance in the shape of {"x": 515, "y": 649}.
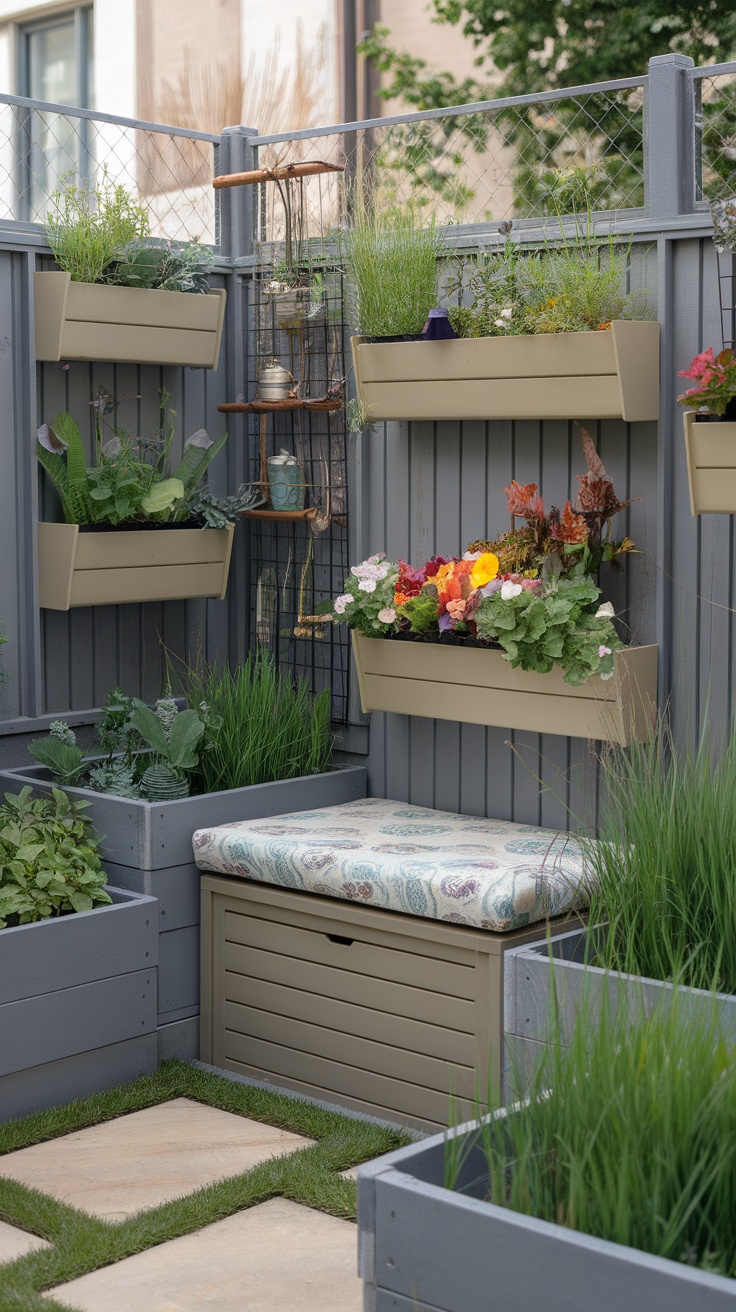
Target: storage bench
{"x": 307, "y": 984}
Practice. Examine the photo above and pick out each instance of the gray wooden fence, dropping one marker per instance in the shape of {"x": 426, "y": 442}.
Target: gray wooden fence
{"x": 415, "y": 489}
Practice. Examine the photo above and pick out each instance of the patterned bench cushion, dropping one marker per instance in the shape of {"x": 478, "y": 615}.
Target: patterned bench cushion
{"x": 491, "y": 874}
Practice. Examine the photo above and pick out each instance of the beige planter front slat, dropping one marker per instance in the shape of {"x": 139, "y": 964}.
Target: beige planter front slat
{"x": 87, "y": 321}
{"x": 106, "y": 569}
{"x": 711, "y": 465}
{"x": 609, "y": 375}
{"x": 481, "y": 687}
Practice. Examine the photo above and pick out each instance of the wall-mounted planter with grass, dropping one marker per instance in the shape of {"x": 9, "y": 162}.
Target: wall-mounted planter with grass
{"x": 480, "y": 687}
{"x": 711, "y": 464}
{"x": 77, "y": 1003}
{"x": 612, "y": 374}
{"x": 91, "y": 321}
{"x": 84, "y": 567}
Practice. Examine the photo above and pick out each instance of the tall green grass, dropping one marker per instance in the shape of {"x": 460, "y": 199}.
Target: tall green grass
{"x": 393, "y": 269}
{"x": 664, "y": 901}
{"x": 262, "y": 725}
{"x": 635, "y": 1143}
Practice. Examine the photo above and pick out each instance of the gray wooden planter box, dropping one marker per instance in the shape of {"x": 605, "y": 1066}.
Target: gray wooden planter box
{"x": 77, "y": 1003}
{"x": 424, "y": 1248}
{"x": 531, "y": 975}
{"x": 147, "y": 848}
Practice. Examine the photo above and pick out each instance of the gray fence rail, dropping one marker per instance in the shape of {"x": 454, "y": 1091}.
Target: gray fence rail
{"x": 419, "y": 488}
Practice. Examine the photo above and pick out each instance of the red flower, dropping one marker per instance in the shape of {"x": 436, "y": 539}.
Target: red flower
{"x": 410, "y": 580}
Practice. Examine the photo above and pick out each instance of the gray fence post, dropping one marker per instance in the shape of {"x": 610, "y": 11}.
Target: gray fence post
{"x": 670, "y": 137}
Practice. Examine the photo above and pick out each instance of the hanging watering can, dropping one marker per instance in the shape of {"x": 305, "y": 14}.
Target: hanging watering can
{"x": 285, "y": 482}
{"x": 274, "y": 382}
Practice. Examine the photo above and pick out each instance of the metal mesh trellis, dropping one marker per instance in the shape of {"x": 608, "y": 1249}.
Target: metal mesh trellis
{"x": 715, "y": 135}
{"x": 170, "y": 171}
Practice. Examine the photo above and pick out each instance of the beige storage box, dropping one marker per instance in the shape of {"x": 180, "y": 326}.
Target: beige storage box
{"x": 711, "y": 465}
{"x": 355, "y": 953}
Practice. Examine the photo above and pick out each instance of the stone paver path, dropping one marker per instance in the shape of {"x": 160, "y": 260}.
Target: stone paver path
{"x": 276, "y": 1257}
{"x": 16, "y": 1243}
{"x": 148, "y": 1157}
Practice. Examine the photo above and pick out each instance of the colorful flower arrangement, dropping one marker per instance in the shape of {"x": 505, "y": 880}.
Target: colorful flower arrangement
{"x": 715, "y": 382}
{"x": 530, "y": 592}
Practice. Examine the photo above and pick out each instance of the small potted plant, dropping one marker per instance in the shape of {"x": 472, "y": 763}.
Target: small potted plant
{"x": 120, "y": 294}
{"x": 77, "y": 960}
{"x": 135, "y": 528}
{"x": 513, "y": 630}
{"x": 542, "y": 335}
{"x": 710, "y": 431}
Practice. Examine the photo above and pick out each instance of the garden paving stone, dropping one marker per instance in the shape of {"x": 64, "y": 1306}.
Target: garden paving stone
{"x": 144, "y": 1159}
{"x": 16, "y": 1243}
{"x": 276, "y": 1257}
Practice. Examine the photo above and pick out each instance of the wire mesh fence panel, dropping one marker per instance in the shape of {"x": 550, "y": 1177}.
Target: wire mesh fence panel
{"x": 715, "y": 132}
{"x": 169, "y": 171}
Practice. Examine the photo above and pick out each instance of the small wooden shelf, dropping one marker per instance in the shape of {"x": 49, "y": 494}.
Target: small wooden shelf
{"x": 269, "y": 407}
{"x": 309, "y": 513}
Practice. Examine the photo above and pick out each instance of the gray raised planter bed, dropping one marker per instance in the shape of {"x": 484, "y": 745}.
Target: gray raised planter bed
{"x": 147, "y": 847}
{"x": 424, "y": 1248}
{"x": 77, "y": 1003}
{"x": 531, "y": 974}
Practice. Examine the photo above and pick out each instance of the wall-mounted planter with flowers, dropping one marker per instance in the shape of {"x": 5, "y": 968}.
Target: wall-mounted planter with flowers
{"x": 481, "y": 687}
{"x": 612, "y": 374}
{"x": 91, "y": 321}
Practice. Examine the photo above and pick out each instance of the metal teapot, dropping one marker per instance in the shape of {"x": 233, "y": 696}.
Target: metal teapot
{"x": 274, "y": 382}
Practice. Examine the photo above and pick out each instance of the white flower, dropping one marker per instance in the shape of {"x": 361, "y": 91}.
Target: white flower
{"x": 342, "y": 602}
{"x": 605, "y": 612}
{"x": 381, "y": 571}
{"x": 472, "y": 555}
{"x": 509, "y": 590}
{"x": 603, "y": 651}
{"x": 375, "y": 560}
{"x": 507, "y": 311}
{"x": 387, "y": 615}
{"x": 499, "y": 323}
{"x": 367, "y": 585}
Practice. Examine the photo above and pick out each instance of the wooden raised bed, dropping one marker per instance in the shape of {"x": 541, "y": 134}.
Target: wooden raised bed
{"x": 711, "y": 465}
{"x": 105, "y": 569}
{"x": 610, "y": 375}
{"x": 481, "y": 687}
{"x": 90, "y": 321}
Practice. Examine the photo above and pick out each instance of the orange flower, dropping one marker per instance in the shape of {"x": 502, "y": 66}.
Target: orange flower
{"x": 400, "y": 599}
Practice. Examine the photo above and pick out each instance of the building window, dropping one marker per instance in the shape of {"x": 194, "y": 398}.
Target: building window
{"x": 55, "y": 66}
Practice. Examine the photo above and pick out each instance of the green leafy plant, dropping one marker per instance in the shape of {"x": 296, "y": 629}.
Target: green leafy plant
{"x": 131, "y": 480}
{"x": 59, "y": 753}
{"x": 87, "y": 223}
{"x": 663, "y": 903}
{"x": 49, "y": 862}
{"x": 393, "y": 271}
{"x": 628, "y": 1134}
{"x": 261, "y": 725}
{"x": 154, "y": 263}
{"x": 174, "y": 736}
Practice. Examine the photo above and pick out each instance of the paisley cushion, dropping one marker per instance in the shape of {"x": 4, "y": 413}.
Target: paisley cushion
{"x": 491, "y": 874}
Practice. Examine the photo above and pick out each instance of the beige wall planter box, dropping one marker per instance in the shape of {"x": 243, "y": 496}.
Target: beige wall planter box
{"x": 711, "y": 466}
{"x": 107, "y": 569}
{"x": 609, "y": 375}
{"x": 87, "y": 321}
{"x": 480, "y": 687}
{"x": 375, "y": 1010}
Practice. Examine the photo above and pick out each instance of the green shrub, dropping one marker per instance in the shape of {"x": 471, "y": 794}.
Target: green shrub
{"x": 629, "y": 1135}
{"x": 49, "y": 862}
{"x": 392, "y": 269}
{"x": 88, "y": 223}
{"x": 665, "y": 890}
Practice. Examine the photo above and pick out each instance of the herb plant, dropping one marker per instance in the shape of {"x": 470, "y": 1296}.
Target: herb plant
{"x": 49, "y": 862}
{"x": 628, "y": 1135}
{"x": 393, "y": 269}
{"x": 88, "y": 223}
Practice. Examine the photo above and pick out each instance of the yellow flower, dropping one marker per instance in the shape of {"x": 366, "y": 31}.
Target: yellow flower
{"x": 484, "y": 570}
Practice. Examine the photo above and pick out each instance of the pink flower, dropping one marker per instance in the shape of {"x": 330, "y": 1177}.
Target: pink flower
{"x": 603, "y": 651}
{"x": 342, "y": 602}
{"x": 456, "y": 609}
{"x": 387, "y": 615}
{"x": 699, "y": 365}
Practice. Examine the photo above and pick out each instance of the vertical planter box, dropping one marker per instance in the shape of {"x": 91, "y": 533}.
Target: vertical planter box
{"x": 87, "y": 568}
{"x": 532, "y": 977}
{"x": 89, "y": 321}
{"x": 77, "y": 1003}
{"x": 711, "y": 465}
{"x": 147, "y": 848}
{"x": 481, "y": 687}
{"x": 612, "y": 375}
{"x": 424, "y": 1248}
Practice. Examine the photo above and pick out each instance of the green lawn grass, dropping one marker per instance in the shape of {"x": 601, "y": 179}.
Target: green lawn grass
{"x": 82, "y": 1243}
